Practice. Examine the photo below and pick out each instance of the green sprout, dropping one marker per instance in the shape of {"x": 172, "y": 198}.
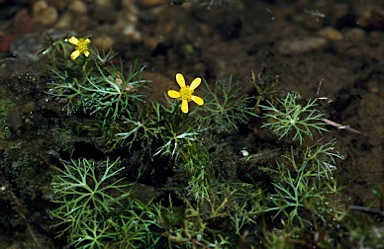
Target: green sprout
{"x": 290, "y": 197}
{"x": 321, "y": 157}
{"x": 107, "y": 91}
{"x": 299, "y": 197}
{"x": 137, "y": 225}
{"x": 267, "y": 87}
{"x": 174, "y": 139}
{"x": 97, "y": 210}
{"x": 180, "y": 130}
{"x": 143, "y": 127}
{"x": 197, "y": 162}
{"x": 187, "y": 226}
{"x": 102, "y": 58}
{"x": 82, "y": 191}
{"x": 293, "y": 118}
{"x": 226, "y": 106}
{"x": 65, "y": 90}
{"x": 94, "y": 234}
{"x": 90, "y": 83}
{"x": 112, "y": 92}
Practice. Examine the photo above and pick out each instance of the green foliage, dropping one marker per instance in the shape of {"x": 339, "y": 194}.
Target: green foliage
{"x": 89, "y": 196}
{"x": 111, "y": 92}
{"x": 144, "y": 126}
{"x": 208, "y": 199}
{"x": 226, "y": 106}
{"x": 213, "y": 197}
{"x": 107, "y": 91}
{"x": 65, "y": 90}
{"x": 82, "y": 190}
{"x": 291, "y": 197}
{"x": 159, "y": 131}
{"x": 282, "y": 238}
{"x": 94, "y": 234}
{"x": 198, "y": 163}
{"x": 58, "y": 52}
{"x": 268, "y": 87}
{"x": 293, "y": 118}
{"x": 180, "y": 131}
{"x": 300, "y": 197}
{"x": 133, "y": 222}
{"x": 91, "y": 84}
{"x": 321, "y": 158}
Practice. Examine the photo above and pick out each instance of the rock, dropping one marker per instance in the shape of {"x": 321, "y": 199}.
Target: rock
{"x": 370, "y": 17}
{"x": 78, "y": 7}
{"x": 5, "y": 42}
{"x": 103, "y": 42}
{"x": 23, "y": 22}
{"x": 104, "y": 12}
{"x": 331, "y": 34}
{"x": 130, "y": 11}
{"x": 131, "y": 32}
{"x": 43, "y": 13}
{"x": 65, "y": 21}
{"x": 152, "y": 3}
{"x": 29, "y": 46}
{"x": 300, "y": 45}
{"x": 355, "y": 34}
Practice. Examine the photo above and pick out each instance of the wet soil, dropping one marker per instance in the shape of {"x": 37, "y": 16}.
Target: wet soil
{"x": 318, "y": 49}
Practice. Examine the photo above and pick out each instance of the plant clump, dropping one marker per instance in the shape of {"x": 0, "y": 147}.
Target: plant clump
{"x": 210, "y": 192}
{"x": 293, "y": 119}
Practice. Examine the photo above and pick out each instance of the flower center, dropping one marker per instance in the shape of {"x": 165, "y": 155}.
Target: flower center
{"x": 82, "y": 46}
{"x": 186, "y": 93}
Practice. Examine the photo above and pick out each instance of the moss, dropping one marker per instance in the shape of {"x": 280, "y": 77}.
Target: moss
{"x": 6, "y": 106}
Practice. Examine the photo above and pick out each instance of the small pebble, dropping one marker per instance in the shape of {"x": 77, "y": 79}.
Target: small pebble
{"x": 43, "y": 13}
{"x": 65, "y": 21}
{"x": 300, "y": 45}
{"x": 355, "y": 34}
{"x": 152, "y": 3}
{"x": 78, "y": 7}
{"x": 130, "y": 31}
{"x": 103, "y": 42}
{"x": 331, "y": 34}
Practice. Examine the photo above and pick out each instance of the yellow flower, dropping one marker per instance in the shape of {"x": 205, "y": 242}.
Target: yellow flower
{"x": 81, "y": 47}
{"x": 185, "y": 93}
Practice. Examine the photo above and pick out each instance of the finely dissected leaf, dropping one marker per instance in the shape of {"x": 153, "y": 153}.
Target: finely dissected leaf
{"x": 295, "y": 120}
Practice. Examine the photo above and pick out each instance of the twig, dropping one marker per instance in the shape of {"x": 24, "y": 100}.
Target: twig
{"x": 319, "y": 87}
{"x": 367, "y": 210}
{"x": 340, "y": 126}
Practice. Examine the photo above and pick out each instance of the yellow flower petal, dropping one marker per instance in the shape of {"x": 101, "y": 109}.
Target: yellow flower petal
{"x": 195, "y": 83}
{"x": 184, "y": 106}
{"x": 198, "y": 100}
{"x": 174, "y": 94}
{"x": 180, "y": 80}
{"x": 75, "y": 54}
{"x": 86, "y": 53}
{"x": 73, "y": 40}
{"x": 87, "y": 41}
